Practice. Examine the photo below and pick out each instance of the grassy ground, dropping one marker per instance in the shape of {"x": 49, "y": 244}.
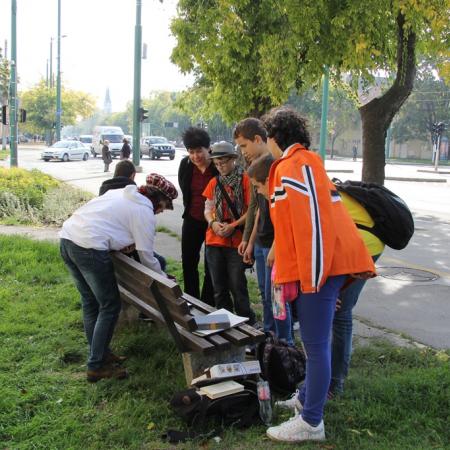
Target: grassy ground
{"x": 4, "y": 154}
{"x": 395, "y": 398}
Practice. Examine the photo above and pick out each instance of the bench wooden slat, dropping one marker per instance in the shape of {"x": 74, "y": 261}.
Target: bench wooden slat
{"x": 193, "y": 343}
{"x": 169, "y": 288}
{"x": 141, "y": 287}
{"x": 144, "y": 293}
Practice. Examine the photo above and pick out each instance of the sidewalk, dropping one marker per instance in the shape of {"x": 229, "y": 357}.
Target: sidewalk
{"x": 170, "y": 247}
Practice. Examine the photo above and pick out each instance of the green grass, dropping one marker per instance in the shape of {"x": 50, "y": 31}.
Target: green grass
{"x": 4, "y": 154}
{"x": 395, "y": 398}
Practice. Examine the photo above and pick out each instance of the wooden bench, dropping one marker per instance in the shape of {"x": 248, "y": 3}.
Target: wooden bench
{"x": 162, "y": 300}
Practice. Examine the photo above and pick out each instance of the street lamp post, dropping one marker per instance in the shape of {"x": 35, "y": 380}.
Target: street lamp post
{"x": 13, "y": 89}
{"x": 137, "y": 85}
{"x": 58, "y": 79}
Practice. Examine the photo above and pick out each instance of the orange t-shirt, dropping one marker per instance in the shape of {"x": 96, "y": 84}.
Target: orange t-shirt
{"x": 235, "y": 239}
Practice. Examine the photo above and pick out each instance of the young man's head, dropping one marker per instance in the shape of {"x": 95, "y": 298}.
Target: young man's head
{"x": 251, "y": 136}
{"x": 224, "y": 157}
{"x": 125, "y": 168}
{"x": 285, "y": 127}
{"x": 197, "y": 142}
{"x": 259, "y": 173}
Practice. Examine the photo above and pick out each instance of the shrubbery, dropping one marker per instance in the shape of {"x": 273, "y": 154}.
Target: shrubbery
{"x": 32, "y": 197}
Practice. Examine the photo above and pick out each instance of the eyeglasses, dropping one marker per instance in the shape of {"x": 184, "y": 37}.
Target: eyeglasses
{"x": 218, "y": 163}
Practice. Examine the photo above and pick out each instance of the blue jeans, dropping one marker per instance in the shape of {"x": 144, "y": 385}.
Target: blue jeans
{"x": 341, "y": 350}
{"x": 94, "y": 277}
{"x": 315, "y": 314}
{"x": 227, "y": 271}
{"x": 281, "y": 328}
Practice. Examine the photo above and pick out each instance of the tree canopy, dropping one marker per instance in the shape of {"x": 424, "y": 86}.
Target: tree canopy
{"x": 40, "y": 103}
{"x": 250, "y": 54}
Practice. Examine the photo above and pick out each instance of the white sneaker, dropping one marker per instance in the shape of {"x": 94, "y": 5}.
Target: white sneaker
{"x": 297, "y": 430}
{"x": 293, "y": 403}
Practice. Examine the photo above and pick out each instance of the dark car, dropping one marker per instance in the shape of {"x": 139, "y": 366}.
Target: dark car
{"x": 157, "y": 146}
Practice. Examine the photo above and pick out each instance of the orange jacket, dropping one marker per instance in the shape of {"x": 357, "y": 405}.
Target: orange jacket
{"x": 315, "y": 236}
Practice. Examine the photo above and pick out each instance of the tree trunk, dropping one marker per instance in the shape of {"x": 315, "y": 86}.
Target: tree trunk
{"x": 377, "y": 115}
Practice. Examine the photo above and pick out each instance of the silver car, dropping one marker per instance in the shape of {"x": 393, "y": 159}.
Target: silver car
{"x": 66, "y": 151}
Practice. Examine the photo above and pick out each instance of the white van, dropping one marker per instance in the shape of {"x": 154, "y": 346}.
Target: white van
{"x": 112, "y": 134}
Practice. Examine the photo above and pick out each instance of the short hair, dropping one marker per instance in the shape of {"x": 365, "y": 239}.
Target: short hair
{"x": 286, "y": 126}
{"x": 124, "y": 168}
{"x": 249, "y": 128}
{"x": 259, "y": 169}
{"x": 194, "y": 137}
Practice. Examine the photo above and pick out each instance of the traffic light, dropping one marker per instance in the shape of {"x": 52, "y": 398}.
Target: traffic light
{"x": 143, "y": 114}
{"x": 22, "y": 115}
{"x": 4, "y": 115}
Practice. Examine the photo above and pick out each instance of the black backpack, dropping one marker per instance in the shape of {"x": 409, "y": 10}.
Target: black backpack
{"x": 282, "y": 366}
{"x": 200, "y": 412}
{"x": 393, "y": 221}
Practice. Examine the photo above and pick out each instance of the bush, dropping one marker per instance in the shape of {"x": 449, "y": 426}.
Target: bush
{"x": 28, "y": 186}
{"x": 32, "y": 197}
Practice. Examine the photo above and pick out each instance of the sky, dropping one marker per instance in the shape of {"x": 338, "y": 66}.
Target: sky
{"x": 98, "y": 50}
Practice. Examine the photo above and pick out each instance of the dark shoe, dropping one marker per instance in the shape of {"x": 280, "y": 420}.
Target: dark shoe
{"x": 111, "y": 358}
{"x": 106, "y": 372}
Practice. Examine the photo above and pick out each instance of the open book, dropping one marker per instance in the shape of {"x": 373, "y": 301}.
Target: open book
{"x": 233, "y": 318}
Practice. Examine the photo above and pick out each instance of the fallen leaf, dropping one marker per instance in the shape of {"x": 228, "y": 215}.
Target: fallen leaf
{"x": 150, "y": 426}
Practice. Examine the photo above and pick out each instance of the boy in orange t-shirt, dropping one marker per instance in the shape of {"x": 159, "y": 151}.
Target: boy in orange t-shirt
{"x": 227, "y": 198}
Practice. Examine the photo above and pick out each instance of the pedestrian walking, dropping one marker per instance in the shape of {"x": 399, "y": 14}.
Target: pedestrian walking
{"x": 355, "y": 152}
{"x": 317, "y": 246}
{"x": 106, "y": 155}
{"x": 117, "y": 220}
{"x": 227, "y": 198}
{"x": 125, "y": 151}
{"x": 194, "y": 173}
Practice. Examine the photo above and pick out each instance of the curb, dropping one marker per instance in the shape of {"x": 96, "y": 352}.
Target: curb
{"x": 424, "y": 180}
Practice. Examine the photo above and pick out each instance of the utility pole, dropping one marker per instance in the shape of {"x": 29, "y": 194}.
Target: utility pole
{"x": 324, "y": 118}
{"x": 4, "y": 98}
{"x": 58, "y": 79}
{"x": 13, "y": 89}
{"x": 137, "y": 86}
{"x": 51, "y": 63}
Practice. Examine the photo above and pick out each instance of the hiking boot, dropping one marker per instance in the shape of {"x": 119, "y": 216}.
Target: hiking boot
{"x": 106, "y": 372}
{"x": 293, "y": 404}
{"x": 111, "y": 358}
{"x": 297, "y": 430}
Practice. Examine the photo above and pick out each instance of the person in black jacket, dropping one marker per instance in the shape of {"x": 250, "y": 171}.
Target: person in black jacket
{"x": 194, "y": 174}
{"x": 125, "y": 150}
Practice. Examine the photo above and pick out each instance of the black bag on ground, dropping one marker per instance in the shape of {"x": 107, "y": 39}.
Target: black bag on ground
{"x": 393, "y": 221}
{"x": 200, "y": 412}
{"x": 282, "y": 366}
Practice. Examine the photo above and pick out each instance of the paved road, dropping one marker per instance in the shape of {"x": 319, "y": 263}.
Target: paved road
{"x": 413, "y": 294}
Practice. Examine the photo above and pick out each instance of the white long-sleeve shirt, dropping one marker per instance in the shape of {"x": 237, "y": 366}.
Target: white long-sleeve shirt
{"x": 117, "y": 219}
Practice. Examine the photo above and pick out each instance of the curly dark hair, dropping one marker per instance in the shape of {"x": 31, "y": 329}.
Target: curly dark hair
{"x": 249, "y": 128}
{"x": 286, "y": 126}
{"x": 194, "y": 137}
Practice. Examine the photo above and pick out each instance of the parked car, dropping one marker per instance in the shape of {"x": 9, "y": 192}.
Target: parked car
{"x": 65, "y": 151}
{"x": 86, "y": 139}
{"x": 156, "y": 146}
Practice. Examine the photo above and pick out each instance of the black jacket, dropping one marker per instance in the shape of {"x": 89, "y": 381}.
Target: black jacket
{"x": 115, "y": 183}
{"x": 185, "y": 179}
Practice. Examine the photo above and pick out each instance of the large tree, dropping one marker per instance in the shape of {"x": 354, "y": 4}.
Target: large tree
{"x": 245, "y": 50}
{"x": 4, "y": 86}
{"x": 40, "y": 103}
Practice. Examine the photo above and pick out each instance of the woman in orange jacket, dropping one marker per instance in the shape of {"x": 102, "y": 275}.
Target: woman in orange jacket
{"x": 318, "y": 246}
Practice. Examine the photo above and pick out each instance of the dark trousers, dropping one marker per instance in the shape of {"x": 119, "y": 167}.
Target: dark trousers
{"x": 193, "y": 235}
{"x": 93, "y": 273}
{"x": 228, "y": 275}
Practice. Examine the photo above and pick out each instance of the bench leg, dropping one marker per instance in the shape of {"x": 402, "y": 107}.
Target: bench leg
{"x": 196, "y": 363}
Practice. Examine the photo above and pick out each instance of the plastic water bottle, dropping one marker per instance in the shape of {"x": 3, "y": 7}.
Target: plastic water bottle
{"x": 265, "y": 404}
